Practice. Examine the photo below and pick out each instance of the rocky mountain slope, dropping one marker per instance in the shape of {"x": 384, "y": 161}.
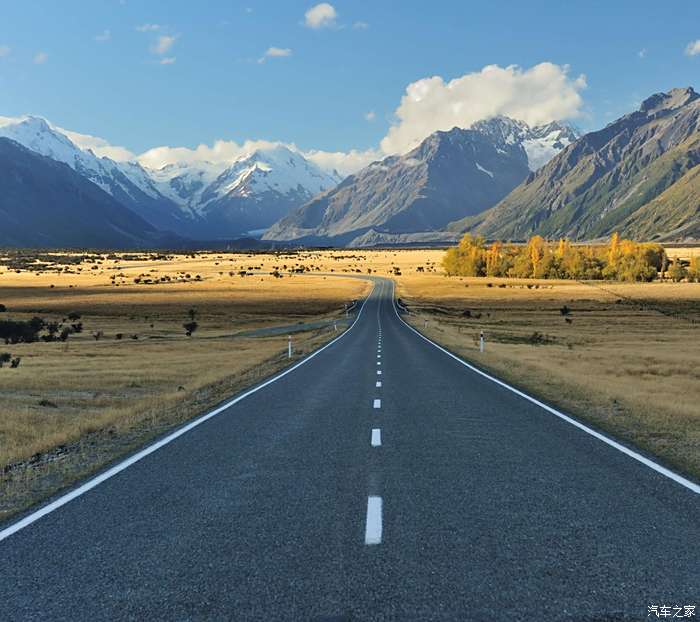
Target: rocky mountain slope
{"x": 45, "y": 203}
{"x": 449, "y": 175}
{"x": 638, "y": 176}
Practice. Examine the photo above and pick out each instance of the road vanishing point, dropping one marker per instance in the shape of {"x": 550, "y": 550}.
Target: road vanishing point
{"x": 381, "y": 478}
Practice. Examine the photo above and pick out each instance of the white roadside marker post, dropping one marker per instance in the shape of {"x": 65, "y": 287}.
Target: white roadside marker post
{"x": 481, "y": 342}
{"x": 289, "y": 347}
{"x": 335, "y": 326}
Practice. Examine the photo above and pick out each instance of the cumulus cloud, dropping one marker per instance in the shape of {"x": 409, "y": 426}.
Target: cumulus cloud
{"x": 345, "y": 162}
{"x": 4, "y": 51}
{"x": 693, "y": 48}
{"x": 98, "y": 146}
{"x": 168, "y": 60}
{"x": 40, "y": 58}
{"x": 223, "y": 152}
{"x": 274, "y": 52}
{"x": 370, "y": 116}
{"x": 148, "y": 27}
{"x": 105, "y": 35}
{"x": 360, "y": 25}
{"x": 321, "y": 15}
{"x": 163, "y": 44}
{"x": 537, "y": 95}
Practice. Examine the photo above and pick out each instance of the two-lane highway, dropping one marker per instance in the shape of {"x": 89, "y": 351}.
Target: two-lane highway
{"x": 381, "y": 479}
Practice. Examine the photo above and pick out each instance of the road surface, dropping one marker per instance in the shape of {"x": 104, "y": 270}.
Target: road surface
{"x": 380, "y": 480}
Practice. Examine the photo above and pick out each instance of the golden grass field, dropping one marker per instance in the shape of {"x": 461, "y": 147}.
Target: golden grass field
{"x": 627, "y": 360}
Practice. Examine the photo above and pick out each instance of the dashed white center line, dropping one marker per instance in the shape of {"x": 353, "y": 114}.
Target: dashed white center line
{"x": 379, "y": 356}
{"x": 379, "y": 372}
{"x": 376, "y": 437}
{"x": 379, "y": 362}
{"x": 373, "y": 530}
{"x": 377, "y": 403}
{"x": 379, "y": 383}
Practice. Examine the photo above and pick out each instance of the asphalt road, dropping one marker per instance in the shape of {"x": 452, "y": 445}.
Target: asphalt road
{"x": 438, "y": 495}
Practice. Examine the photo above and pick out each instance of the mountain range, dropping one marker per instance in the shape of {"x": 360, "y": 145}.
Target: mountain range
{"x": 499, "y": 178}
{"x": 203, "y": 201}
{"x": 450, "y": 174}
{"x": 638, "y": 176}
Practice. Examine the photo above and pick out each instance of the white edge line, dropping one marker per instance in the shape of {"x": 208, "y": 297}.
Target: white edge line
{"x": 373, "y": 528}
{"x": 125, "y": 464}
{"x": 601, "y": 437}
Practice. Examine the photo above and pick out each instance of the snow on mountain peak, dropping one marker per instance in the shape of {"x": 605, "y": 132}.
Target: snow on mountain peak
{"x": 541, "y": 143}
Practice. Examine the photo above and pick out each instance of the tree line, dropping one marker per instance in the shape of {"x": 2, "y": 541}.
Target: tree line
{"x": 618, "y": 260}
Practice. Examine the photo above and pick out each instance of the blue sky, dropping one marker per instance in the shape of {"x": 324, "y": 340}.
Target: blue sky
{"x": 94, "y": 67}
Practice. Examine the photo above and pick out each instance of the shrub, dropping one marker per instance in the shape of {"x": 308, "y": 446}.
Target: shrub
{"x": 3, "y": 308}
{"x": 5, "y": 357}
{"x": 14, "y": 363}
{"x": 677, "y": 271}
{"x": 190, "y": 327}
{"x": 16, "y": 331}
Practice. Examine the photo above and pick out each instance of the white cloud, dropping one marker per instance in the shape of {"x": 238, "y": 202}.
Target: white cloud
{"x": 4, "y": 51}
{"x": 370, "y": 116}
{"x": 274, "y": 52}
{"x": 168, "y": 60}
{"x": 642, "y": 53}
{"x": 537, "y": 95}
{"x": 221, "y": 152}
{"x": 163, "y": 44}
{"x": 40, "y": 58}
{"x": 98, "y": 146}
{"x": 693, "y": 48}
{"x": 105, "y": 35}
{"x": 148, "y": 27}
{"x": 360, "y": 25}
{"x": 224, "y": 152}
{"x": 345, "y": 162}
{"x": 322, "y": 15}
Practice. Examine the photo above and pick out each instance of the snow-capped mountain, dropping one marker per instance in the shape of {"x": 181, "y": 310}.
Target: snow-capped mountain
{"x": 254, "y": 191}
{"x": 128, "y": 182}
{"x": 541, "y": 142}
{"x": 203, "y": 200}
{"x": 37, "y": 135}
{"x": 450, "y": 175}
